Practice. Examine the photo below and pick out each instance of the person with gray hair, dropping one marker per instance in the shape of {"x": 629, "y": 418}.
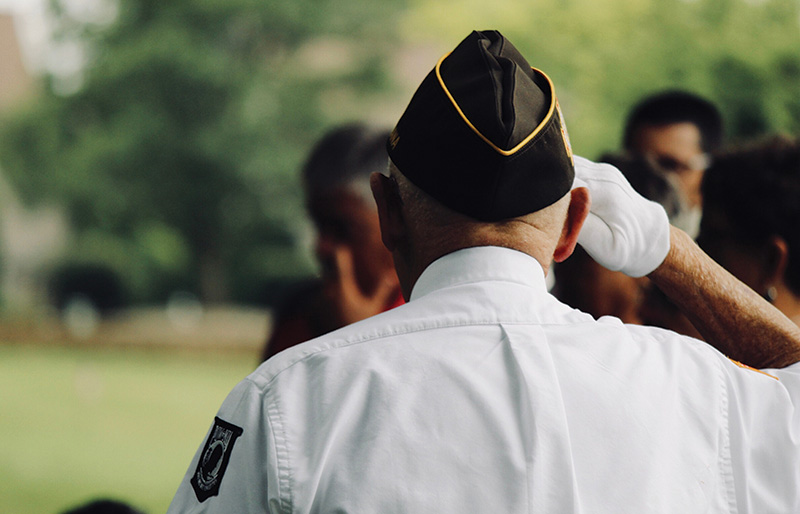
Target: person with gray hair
{"x": 483, "y": 393}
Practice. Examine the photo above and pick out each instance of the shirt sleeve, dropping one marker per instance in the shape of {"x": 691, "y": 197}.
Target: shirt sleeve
{"x": 764, "y": 431}
{"x": 233, "y": 470}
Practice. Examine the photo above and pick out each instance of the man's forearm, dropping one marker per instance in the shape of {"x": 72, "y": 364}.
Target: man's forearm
{"x": 729, "y": 315}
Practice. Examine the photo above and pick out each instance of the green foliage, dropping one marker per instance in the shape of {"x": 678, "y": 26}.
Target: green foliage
{"x": 192, "y": 121}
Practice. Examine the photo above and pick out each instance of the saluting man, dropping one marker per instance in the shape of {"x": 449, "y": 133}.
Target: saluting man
{"x": 486, "y": 394}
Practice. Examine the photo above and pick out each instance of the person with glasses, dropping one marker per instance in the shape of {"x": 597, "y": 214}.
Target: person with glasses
{"x": 678, "y": 131}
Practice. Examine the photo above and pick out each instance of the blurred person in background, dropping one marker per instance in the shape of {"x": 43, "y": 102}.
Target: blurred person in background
{"x": 679, "y": 131}
{"x": 583, "y": 284}
{"x": 104, "y": 506}
{"x": 357, "y": 276}
{"x": 751, "y": 219}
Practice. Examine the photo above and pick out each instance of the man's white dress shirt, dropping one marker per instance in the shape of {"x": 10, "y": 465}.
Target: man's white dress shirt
{"x": 485, "y": 394}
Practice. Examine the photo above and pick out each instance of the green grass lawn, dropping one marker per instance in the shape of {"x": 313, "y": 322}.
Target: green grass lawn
{"x": 81, "y": 423}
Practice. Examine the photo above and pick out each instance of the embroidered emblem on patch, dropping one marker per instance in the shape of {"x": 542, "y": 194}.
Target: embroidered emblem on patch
{"x": 214, "y": 459}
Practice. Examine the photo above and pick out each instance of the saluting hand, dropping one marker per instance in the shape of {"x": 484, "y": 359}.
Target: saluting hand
{"x": 624, "y": 231}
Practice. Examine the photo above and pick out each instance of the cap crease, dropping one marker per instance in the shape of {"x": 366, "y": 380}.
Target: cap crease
{"x": 496, "y": 148}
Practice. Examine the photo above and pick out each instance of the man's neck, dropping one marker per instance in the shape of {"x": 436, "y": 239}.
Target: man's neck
{"x": 410, "y": 273}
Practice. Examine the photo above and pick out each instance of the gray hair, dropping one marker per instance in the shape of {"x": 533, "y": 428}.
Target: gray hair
{"x": 432, "y": 223}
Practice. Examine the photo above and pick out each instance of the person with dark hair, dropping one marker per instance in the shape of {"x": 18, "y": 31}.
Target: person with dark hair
{"x": 680, "y": 131}
{"x": 357, "y": 277}
{"x": 483, "y": 393}
{"x": 104, "y": 506}
{"x": 751, "y": 219}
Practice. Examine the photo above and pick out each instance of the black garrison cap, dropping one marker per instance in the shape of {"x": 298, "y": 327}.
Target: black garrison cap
{"x": 483, "y": 134}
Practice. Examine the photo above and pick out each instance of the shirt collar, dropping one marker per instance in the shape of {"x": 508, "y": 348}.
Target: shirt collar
{"x": 479, "y": 264}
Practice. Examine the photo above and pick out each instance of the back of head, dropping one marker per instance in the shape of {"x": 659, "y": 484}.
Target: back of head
{"x": 105, "y": 506}
{"x": 344, "y": 158}
{"x": 756, "y": 190}
{"x": 671, "y": 107}
{"x": 436, "y": 225}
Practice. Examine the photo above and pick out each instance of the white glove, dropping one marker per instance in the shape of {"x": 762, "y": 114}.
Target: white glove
{"x": 624, "y": 231}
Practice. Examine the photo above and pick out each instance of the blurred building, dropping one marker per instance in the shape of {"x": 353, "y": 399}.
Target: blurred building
{"x": 30, "y": 237}
{"x": 16, "y": 84}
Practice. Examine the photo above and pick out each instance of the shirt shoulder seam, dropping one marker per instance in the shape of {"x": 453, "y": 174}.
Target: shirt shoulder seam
{"x": 331, "y": 344}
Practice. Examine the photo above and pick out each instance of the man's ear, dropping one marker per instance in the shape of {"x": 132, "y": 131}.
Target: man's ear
{"x": 579, "y": 204}
{"x": 390, "y": 209}
{"x": 777, "y": 259}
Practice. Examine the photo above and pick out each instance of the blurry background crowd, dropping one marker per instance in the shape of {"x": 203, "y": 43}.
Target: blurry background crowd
{"x": 151, "y": 191}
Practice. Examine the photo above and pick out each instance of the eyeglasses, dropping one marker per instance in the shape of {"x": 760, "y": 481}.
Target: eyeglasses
{"x": 699, "y": 162}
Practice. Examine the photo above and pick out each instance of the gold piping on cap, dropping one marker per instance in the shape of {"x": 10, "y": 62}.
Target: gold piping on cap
{"x": 496, "y": 148}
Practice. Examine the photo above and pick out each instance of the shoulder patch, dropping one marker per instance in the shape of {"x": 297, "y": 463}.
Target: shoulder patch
{"x": 214, "y": 459}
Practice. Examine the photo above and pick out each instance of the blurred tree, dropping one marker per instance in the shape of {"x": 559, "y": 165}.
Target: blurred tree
{"x": 179, "y": 151}
{"x": 187, "y": 127}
